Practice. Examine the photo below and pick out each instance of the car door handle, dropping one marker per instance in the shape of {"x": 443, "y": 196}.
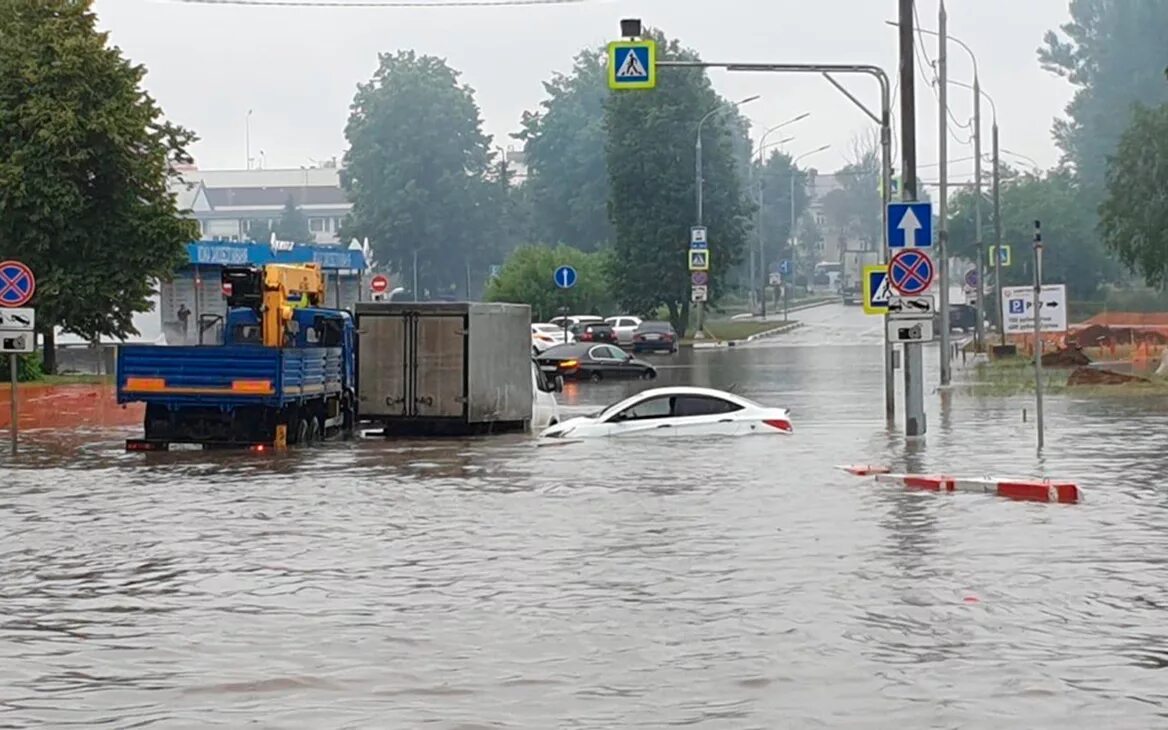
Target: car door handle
{"x": 726, "y": 420}
{"x": 665, "y": 425}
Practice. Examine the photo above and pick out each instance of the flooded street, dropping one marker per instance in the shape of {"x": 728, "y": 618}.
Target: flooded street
{"x": 491, "y": 583}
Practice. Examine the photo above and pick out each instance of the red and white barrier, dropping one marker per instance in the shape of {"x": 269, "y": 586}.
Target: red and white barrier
{"x": 1026, "y": 490}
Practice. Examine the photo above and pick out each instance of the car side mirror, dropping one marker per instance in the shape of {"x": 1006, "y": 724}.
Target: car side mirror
{"x": 559, "y": 384}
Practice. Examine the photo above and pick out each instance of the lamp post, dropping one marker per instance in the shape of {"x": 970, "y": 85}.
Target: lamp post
{"x": 791, "y": 228}
{"x": 759, "y": 226}
{"x": 699, "y": 181}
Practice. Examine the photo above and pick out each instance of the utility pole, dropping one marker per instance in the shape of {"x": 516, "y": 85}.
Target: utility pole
{"x": 943, "y": 203}
{"x": 1038, "y": 330}
{"x": 979, "y": 331}
{"x": 998, "y": 237}
{"x": 914, "y": 369}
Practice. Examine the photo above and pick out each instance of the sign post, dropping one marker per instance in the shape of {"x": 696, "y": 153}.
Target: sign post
{"x": 910, "y": 273}
{"x": 565, "y": 279}
{"x": 1038, "y": 331}
{"x": 17, "y": 329}
{"x": 699, "y": 265}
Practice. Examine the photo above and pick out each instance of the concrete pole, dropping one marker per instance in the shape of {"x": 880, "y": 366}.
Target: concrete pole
{"x": 943, "y": 203}
{"x": 980, "y": 249}
{"x": 998, "y": 237}
{"x": 762, "y": 267}
{"x": 914, "y": 408}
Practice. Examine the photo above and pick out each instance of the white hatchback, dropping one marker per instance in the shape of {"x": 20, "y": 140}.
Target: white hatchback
{"x": 544, "y": 336}
{"x": 624, "y": 326}
{"x": 678, "y": 411}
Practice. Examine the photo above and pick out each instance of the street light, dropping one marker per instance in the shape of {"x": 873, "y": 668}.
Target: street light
{"x": 761, "y": 249}
{"x": 698, "y": 145}
{"x": 791, "y": 231}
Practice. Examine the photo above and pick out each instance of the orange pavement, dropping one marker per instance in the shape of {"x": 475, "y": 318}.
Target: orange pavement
{"x": 68, "y": 406}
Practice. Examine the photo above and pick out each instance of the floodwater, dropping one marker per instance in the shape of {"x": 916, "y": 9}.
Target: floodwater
{"x": 491, "y": 583}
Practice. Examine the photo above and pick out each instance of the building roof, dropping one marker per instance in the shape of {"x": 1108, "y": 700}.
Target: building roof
{"x": 251, "y": 197}
{"x": 230, "y": 253}
{"x": 310, "y": 177}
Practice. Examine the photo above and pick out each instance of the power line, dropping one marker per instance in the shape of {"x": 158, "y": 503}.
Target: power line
{"x": 382, "y": 4}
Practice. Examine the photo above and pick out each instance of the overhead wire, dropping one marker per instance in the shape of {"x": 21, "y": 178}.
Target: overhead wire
{"x": 381, "y": 4}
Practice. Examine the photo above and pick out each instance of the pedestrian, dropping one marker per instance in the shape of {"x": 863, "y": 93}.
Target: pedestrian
{"x": 184, "y": 316}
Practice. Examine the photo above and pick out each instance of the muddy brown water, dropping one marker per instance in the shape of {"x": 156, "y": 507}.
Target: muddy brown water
{"x": 491, "y": 583}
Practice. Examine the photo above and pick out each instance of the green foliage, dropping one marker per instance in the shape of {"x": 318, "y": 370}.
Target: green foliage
{"x": 1113, "y": 53}
{"x": 1134, "y": 217}
{"x": 564, "y": 148}
{"x": 650, "y": 153}
{"x": 1072, "y": 253}
{"x": 417, "y": 172}
{"x": 29, "y": 368}
{"x": 527, "y": 278}
{"x": 778, "y": 179}
{"x": 292, "y": 226}
{"x": 85, "y": 159}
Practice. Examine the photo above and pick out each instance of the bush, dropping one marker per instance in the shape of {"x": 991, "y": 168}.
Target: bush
{"x": 28, "y": 367}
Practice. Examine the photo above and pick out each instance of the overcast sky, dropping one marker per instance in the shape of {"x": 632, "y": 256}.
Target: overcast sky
{"x": 298, "y": 68}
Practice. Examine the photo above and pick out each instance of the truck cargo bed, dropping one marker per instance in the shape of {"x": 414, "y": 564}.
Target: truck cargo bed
{"x": 230, "y": 375}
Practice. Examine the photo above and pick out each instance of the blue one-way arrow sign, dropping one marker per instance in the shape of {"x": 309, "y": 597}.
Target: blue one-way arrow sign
{"x": 565, "y": 277}
{"x": 910, "y": 225}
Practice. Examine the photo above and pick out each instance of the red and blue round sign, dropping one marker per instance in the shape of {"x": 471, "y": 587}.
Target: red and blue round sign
{"x": 17, "y": 284}
{"x": 910, "y": 272}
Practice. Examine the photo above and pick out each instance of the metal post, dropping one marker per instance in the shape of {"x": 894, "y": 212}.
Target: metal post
{"x": 1038, "y": 330}
{"x": 998, "y": 237}
{"x": 416, "y": 299}
{"x": 943, "y": 203}
{"x": 791, "y": 259}
{"x": 914, "y": 407}
{"x": 14, "y": 428}
{"x": 762, "y": 267}
{"x": 468, "y": 281}
{"x": 198, "y": 313}
{"x": 698, "y": 182}
{"x": 979, "y": 331}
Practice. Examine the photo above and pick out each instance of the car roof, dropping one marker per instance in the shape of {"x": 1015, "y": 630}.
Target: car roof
{"x": 655, "y": 323}
{"x": 688, "y": 390}
{"x": 572, "y": 349}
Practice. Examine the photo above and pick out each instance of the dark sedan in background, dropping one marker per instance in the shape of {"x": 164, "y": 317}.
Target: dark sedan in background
{"x": 594, "y": 332}
{"x": 654, "y": 337}
{"x": 589, "y": 361}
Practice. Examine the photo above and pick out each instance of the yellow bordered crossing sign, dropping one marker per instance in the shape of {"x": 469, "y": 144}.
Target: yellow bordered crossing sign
{"x": 875, "y": 288}
{"x": 632, "y": 64}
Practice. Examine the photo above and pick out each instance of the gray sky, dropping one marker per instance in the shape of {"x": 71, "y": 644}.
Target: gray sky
{"x": 298, "y": 68}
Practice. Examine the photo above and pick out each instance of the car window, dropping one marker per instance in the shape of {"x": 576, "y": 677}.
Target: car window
{"x": 646, "y": 409}
{"x": 603, "y": 353}
{"x": 702, "y": 405}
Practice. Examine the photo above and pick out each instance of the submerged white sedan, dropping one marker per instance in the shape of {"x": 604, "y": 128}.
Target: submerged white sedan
{"x": 677, "y": 411}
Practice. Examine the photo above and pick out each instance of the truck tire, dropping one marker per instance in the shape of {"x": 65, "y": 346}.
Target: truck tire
{"x": 301, "y": 432}
{"x": 315, "y": 434}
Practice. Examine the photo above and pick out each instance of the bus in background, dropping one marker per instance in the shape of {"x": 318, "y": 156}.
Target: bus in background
{"x": 825, "y": 279}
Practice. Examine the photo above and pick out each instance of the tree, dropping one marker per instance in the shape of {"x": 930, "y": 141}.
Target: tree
{"x": 1113, "y": 53}
{"x": 778, "y": 178}
{"x": 417, "y": 171}
{"x": 85, "y": 162}
{"x": 526, "y": 278}
{"x": 853, "y": 212}
{"x": 1134, "y": 218}
{"x": 563, "y": 145}
{"x": 292, "y": 226}
{"x": 1072, "y": 253}
{"x": 650, "y": 154}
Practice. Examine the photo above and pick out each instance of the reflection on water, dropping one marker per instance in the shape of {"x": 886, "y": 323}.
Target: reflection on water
{"x": 491, "y": 583}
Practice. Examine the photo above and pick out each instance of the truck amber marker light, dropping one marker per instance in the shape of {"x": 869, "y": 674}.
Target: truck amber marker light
{"x": 147, "y": 385}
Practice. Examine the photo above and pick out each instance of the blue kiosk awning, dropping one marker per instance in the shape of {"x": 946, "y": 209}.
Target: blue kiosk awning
{"x": 231, "y": 253}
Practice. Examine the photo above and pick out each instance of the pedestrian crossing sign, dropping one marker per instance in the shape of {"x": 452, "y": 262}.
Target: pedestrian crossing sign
{"x": 875, "y": 287}
{"x": 632, "y": 64}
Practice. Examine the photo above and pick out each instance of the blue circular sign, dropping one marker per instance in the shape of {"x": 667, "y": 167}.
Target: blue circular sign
{"x": 565, "y": 277}
{"x": 910, "y": 272}
{"x": 971, "y": 278}
{"x": 17, "y": 284}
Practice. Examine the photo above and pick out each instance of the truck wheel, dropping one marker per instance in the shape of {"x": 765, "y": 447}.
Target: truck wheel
{"x": 314, "y": 430}
{"x": 302, "y": 432}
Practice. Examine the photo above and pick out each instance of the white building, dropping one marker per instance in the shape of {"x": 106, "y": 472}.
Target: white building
{"x": 227, "y": 202}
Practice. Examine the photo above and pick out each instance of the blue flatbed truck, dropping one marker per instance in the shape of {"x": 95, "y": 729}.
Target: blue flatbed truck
{"x": 284, "y": 373}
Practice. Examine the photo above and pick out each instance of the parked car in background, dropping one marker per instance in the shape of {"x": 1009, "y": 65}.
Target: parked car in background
{"x": 624, "y": 325}
{"x": 584, "y": 361}
{"x": 654, "y": 336}
{"x": 594, "y": 332}
{"x": 544, "y": 336}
